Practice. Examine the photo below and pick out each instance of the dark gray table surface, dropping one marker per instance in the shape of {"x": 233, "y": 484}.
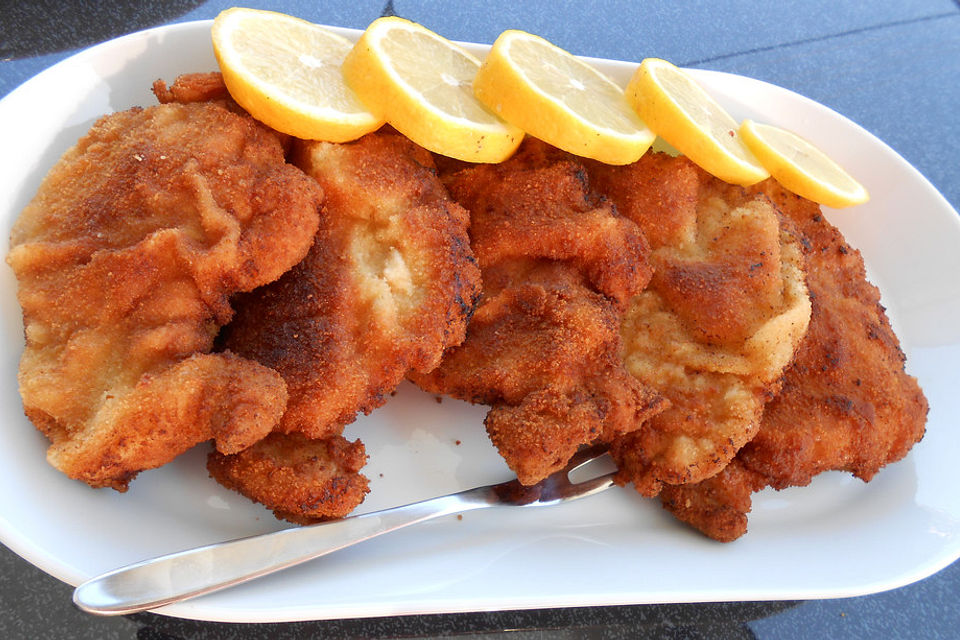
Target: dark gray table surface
{"x": 892, "y": 67}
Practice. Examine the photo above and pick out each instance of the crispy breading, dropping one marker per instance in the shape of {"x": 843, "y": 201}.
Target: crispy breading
{"x": 717, "y": 506}
{"x": 536, "y": 205}
{"x": 388, "y": 284}
{"x": 301, "y": 480}
{"x": 126, "y": 259}
{"x": 722, "y": 317}
{"x": 206, "y": 87}
{"x": 846, "y": 403}
{"x": 543, "y": 345}
{"x": 192, "y": 87}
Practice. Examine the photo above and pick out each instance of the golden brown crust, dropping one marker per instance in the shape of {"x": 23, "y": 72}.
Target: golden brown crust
{"x": 208, "y": 87}
{"x": 387, "y": 286}
{"x": 543, "y": 344}
{"x": 192, "y": 87}
{"x": 546, "y": 212}
{"x": 846, "y": 403}
{"x": 717, "y": 506}
{"x": 723, "y": 315}
{"x": 301, "y": 480}
{"x": 220, "y": 396}
{"x": 126, "y": 259}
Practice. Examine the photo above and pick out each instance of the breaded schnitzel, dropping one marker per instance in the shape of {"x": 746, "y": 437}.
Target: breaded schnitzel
{"x": 388, "y": 284}
{"x": 194, "y": 87}
{"x": 846, "y": 402}
{"x": 126, "y": 259}
{"x": 301, "y": 480}
{"x": 723, "y": 315}
{"x": 543, "y": 345}
{"x": 386, "y": 287}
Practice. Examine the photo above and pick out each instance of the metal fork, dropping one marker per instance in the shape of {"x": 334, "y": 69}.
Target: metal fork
{"x": 187, "y": 574}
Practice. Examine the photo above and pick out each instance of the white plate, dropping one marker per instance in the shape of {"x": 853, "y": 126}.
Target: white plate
{"x": 837, "y": 537}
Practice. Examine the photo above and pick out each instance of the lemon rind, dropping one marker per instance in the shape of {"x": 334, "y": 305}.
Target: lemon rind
{"x": 663, "y": 114}
{"x": 437, "y": 130}
{"x": 797, "y": 179}
{"x": 269, "y": 103}
{"x": 642, "y": 131}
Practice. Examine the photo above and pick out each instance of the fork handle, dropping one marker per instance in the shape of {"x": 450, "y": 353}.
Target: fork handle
{"x": 187, "y": 574}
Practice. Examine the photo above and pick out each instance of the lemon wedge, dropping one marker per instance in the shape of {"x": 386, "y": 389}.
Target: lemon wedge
{"x": 554, "y": 96}
{"x": 685, "y": 115}
{"x": 801, "y": 167}
{"x": 286, "y": 73}
{"x": 420, "y": 83}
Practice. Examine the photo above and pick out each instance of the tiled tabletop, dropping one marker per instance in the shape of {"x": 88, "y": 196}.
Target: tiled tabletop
{"x": 892, "y": 67}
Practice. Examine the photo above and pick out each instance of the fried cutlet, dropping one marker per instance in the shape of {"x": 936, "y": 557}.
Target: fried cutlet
{"x": 387, "y": 285}
{"x": 543, "y": 345}
{"x": 193, "y": 87}
{"x": 385, "y": 288}
{"x": 846, "y": 402}
{"x": 721, "y": 318}
{"x": 301, "y": 480}
{"x": 126, "y": 259}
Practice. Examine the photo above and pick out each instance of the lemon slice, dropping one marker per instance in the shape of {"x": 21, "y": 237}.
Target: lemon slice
{"x": 286, "y": 73}
{"x": 684, "y": 115}
{"x": 801, "y": 167}
{"x": 420, "y": 83}
{"x": 560, "y": 99}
